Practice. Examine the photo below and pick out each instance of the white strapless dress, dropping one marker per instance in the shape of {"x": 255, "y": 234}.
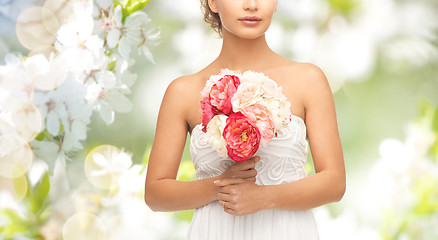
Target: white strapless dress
{"x": 283, "y": 160}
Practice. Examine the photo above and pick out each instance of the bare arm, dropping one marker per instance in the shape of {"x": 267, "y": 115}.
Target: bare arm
{"x": 327, "y": 185}
{"x": 162, "y": 191}
{"x": 161, "y": 187}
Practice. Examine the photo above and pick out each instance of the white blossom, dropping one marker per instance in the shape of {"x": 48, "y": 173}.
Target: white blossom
{"x": 80, "y": 48}
{"x": 131, "y": 33}
{"x": 67, "y": 106}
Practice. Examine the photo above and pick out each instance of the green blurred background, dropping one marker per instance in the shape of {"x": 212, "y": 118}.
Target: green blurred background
{"x": 381, "y": 59}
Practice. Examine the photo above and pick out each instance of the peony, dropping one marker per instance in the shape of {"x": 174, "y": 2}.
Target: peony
{"x": 242, "y": 137}
{"x": 215, "y": 129}
{"x": 250, "y": 105}
{"x": 261, "y": 116}
{"x": 207, "y": 113}
{"x": 217, "y": 97}
{"x": 247, "y": 94}
{"x": 280, "y": 109}
{"x": 222, "y": 92}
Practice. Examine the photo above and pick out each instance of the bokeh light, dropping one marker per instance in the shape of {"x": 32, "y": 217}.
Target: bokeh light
{"x": 15, "y": 186}
{"x": 84, "y": 226}
{"x": 104, "y": 164}
{"x": 15, "y": 157}
{"x": 36, "y": 28}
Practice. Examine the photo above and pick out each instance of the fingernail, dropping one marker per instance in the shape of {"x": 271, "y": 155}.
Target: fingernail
{"x": 217, "y": 181}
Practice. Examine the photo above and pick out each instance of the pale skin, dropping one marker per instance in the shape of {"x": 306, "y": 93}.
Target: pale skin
{"x": 305, "y": 86}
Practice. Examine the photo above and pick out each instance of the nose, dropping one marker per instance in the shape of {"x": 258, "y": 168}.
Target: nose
{"x": 251, "y": 5}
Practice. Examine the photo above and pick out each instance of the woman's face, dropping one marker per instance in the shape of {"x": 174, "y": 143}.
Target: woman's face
{"x": 247, "y": 19}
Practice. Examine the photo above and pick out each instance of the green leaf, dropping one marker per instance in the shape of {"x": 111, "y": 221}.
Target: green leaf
{"x": 111, "y": 65}
{"x": 42, "y": 135}
{"x": 131, "y": 6}
{"x": 14, "y": 223}
{"x": 40, "y": 193}
{"x": 137, "y": 5}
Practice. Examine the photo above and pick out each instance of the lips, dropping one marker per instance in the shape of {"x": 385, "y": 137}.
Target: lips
{"x": 251, "y": 19}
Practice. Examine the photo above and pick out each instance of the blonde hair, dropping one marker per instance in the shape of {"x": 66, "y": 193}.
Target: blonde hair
{"x": 211, "y": 17}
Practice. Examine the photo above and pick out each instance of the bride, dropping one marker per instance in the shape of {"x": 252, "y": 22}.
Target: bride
{"x": 268, "y": 196}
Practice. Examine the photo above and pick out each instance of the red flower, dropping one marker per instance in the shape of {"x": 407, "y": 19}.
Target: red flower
{"x": 221, "y": 94}
{"x": 207, "y": 113}
{"x": 242, "y": 137}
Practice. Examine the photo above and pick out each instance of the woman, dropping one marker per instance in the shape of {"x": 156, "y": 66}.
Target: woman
{"x": 269, "y": 195}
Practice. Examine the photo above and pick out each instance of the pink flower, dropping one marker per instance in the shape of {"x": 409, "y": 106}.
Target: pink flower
{"x": 207, "y": 113}
{"x": 221, "y": 94}
{"x": 242, "y": 137}
{"x": 249, "y": 93}
{"x": 262, "y": 117}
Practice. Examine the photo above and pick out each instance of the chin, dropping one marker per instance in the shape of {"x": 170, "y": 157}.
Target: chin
{"x": 248, "y": 33}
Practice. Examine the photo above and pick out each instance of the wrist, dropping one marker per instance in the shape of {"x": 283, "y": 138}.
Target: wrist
{"x": 215, "y": 189}
{"x": 268, "y": 197}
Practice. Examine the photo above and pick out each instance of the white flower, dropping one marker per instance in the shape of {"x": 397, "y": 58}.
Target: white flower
{"x": 14, "y": 80}
{"x": 108, "y": 95}
{"x": 280, "y": 110}
{"x": 47, "y": 151}
{"x": 103, "y": 16}
{"x": 115, "y": 164}
{"x": 105, "y": 164}
{"x": 131, "y": 182}
{"x": 105, "y": 4}
{"x": 80, "y": 49}
{"x": 215, "y": 128}
{"x": 46, "y": 74}
{"x": 15, "y": 156}
{"x": 67, "y": 106}
{"x": 22, "y": 116}
{"x": 130, "y": 33}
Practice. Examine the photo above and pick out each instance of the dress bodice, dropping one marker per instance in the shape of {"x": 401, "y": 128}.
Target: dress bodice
{"x": 283, "y": 160}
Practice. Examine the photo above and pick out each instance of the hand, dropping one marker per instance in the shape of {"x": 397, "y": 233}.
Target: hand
{"x": 243, "y": 170}
{"x": 240, "y": 197}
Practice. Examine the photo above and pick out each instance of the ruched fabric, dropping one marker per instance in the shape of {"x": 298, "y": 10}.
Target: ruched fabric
{"x": 282, "y": 161}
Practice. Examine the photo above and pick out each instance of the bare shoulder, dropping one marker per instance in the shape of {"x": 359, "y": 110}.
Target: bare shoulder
{"x": 310, "y": 79}
{"x": 183, "y": 88}
{"x": 183, "y": 93}
{"x": 306, "y": 74}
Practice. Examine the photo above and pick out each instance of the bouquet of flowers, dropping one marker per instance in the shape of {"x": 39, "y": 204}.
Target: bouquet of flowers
{"x": 242, "y": 112}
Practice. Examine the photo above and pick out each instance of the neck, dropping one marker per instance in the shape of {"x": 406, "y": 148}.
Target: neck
{"x": 242, "y": 54}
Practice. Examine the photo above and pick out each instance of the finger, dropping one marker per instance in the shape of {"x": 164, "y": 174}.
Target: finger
{"x": 227, "y": 181}
{"x": 222, "y": 203}
{"x": 252, "y": 179}
{"x": 230, "y": 210}
{"x": 226, "y": 190}
{"x": 250, "y": 163}
{"x": 224, "y": 197}
{"x": 250, "y": 173}
{"x": 246, "y": 165}
{"x": 256, "y": 159}
{"x": 245, "y": 174}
